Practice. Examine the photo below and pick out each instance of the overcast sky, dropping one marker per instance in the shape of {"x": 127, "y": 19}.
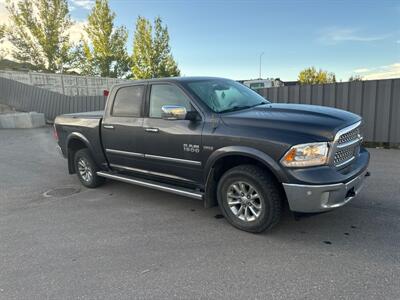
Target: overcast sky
{"x": 225, "y": 38}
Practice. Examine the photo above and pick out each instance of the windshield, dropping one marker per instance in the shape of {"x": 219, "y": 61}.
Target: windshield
{"x": 222, "y": 95}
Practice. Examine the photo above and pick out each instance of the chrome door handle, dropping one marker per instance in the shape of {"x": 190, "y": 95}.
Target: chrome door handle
{"x": 152, "y": 129}
{"x": 108, "y": 126}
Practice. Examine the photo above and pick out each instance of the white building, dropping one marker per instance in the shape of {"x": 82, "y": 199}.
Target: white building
{"x": 256, "y": 84}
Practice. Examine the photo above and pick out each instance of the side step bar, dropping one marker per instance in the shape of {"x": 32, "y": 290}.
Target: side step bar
{"x": 151, "y": 184}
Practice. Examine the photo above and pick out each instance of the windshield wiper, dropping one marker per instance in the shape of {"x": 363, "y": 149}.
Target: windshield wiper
{"x": 235, "y": 108}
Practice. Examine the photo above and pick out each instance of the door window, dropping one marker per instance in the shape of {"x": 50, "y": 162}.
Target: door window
{"x": 128, "y": 101}
{"x": 165, "y": 94}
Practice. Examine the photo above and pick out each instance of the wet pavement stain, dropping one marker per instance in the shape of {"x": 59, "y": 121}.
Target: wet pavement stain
{"x": 327, "y": 242}
{"x": 219, "y": 216}
{"x": 61, "y": 192}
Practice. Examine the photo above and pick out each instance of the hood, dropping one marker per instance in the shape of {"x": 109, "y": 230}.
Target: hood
{"x": 319, "y": 121}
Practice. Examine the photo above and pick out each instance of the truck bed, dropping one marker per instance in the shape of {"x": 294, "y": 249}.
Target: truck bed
{"x": 87, "y": 127}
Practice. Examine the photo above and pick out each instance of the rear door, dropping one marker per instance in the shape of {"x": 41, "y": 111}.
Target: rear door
{"x": 172, "y": 147}
{"x": 122, "y": 127}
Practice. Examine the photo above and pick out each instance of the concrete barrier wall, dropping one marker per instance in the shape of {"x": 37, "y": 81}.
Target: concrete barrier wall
{"x": 377, "y": 101}
{"x": 64, "y": 84}
{"x": 26, "y": 97}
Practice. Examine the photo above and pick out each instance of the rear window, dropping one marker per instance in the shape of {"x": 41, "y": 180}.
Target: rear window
{"x": 128, "y": 101}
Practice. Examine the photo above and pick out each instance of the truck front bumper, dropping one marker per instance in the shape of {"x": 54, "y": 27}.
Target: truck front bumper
{"x": 319, "y": 198}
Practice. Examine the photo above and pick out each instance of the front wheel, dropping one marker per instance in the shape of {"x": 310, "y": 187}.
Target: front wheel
{"x": 86, "y": 169}
{"x": 250, "y": 198}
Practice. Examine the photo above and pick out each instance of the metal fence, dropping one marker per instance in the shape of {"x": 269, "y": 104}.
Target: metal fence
{"x": 30, "y": 98}
{"x": 377, "y": 101}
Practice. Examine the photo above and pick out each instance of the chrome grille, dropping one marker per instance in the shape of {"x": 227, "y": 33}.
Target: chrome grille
{"x": 347, "y": 145}
{"x": 349, "y": 136}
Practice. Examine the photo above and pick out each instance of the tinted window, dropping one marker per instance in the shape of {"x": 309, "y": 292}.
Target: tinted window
{"x": 128, "y": 101}
{"x": 164, "y": 94}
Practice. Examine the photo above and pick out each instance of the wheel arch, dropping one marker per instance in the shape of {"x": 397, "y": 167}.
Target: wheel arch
{"x": 225, "y": 158}
{"x": 75, "y": 141}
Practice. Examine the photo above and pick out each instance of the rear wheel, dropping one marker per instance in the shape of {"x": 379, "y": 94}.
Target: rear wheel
{"x": 86, "y": 169}
{"x": 250, "y": 198}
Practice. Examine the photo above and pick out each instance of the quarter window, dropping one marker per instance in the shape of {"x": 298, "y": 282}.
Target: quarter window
{"x": 165, "y": 94}
{"x": 128, "y": 101}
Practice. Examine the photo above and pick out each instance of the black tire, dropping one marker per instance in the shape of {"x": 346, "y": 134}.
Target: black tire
{"x": 269, "y": 198}
{"x": 83, "y": 156}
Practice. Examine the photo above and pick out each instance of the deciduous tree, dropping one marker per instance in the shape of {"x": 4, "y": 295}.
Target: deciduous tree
{"x": 104, "y": 51}
{"x": 39, "y": 33}
{"x": 312, "y": 76}
{"x": 355, "y": 78}
{"x": 2, "y": 31}
{"x": 152, "y": 56}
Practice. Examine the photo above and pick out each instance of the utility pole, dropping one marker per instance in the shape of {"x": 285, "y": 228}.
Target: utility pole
{"x": 262, "y": 53}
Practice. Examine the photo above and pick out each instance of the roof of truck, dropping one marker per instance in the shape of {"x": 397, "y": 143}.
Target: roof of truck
{"x": 169, "y": 79}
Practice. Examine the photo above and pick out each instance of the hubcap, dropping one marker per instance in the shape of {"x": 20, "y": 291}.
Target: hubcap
{"x": 84, "y": 170}
{"x": 244, "y": 201}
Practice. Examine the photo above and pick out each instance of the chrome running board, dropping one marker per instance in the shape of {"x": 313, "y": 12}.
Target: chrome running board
{"x": 154, "y": 185}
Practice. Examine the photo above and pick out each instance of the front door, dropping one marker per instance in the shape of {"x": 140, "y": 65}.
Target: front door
{"x": 122, "y": 131}
{"x": 172, "y": 147}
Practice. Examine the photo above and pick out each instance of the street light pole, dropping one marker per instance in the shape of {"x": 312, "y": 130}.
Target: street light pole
{"x": 262, "y": 53}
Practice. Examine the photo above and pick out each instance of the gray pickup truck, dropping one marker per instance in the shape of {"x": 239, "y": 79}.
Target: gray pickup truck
{"x": 218, "y": 141}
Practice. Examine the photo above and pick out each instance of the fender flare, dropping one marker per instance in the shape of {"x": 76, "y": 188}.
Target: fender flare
{"x": 75, "y": 136}
{"x": 258, "y": 155}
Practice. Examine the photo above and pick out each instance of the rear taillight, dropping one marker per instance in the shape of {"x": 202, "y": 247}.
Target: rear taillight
{"x": 105, "y": 93}
{"x": 55, "y": 134}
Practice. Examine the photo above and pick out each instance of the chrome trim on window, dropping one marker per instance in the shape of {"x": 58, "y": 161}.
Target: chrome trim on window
{"x": 134, "y": 154}
{"x": 178, "y": 160}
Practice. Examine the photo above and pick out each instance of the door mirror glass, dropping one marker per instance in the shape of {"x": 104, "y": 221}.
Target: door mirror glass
{"x": 173, "y": 112}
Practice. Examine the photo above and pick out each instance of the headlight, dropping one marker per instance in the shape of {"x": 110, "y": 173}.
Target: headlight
{"x": 306, "y": 155}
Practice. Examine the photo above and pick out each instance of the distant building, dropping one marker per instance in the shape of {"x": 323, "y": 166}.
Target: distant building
{"x": 288, "y": 83}
{"x": 256, "y": 84}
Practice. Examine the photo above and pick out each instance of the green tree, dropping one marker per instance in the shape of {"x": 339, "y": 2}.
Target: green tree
{"x": 2, "y": 31}
{"x": 39, "y": 33}
{"x": 312, "y": 76}
{"x": 355, "y": 78}
{"x": 152, "y": 56}
{"x": 2, "y": 35}
{"x": 104, "y": 53}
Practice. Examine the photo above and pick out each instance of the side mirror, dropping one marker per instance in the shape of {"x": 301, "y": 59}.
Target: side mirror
{"x": 173, "y": 112}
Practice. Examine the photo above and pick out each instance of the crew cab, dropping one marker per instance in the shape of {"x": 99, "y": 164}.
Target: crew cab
{"x": 218, "y": 141}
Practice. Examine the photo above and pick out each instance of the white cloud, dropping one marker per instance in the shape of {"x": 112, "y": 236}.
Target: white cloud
{"x": 76, "y": 31}
{"x": 361, "y": 70}
{"x": 336, "y": 35}
{"x": 381, "y": 72}
{"x": 86, "y": 4}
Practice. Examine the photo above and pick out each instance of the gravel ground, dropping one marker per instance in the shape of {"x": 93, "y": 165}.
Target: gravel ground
{"x": 122, "y": 242}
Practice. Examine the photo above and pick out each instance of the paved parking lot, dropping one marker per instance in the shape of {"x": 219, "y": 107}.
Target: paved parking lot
{"x": 122, "y": 242}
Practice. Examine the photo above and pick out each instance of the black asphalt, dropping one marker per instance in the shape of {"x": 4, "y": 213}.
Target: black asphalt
{"x": 122, "y": 242}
